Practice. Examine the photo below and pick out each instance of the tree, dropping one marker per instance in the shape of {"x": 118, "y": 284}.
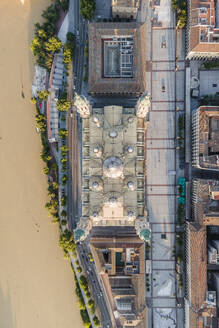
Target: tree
{"x": 63, "y": 105}
{"x": 33, "y": 100}
{"x": 64, "y": 148}
{"x": 64, "y": 200}
{"x": 66, "y": 241}
{"x": 70, "y": 37}
{"x": 81, "y": 303}
{"x": 87, "y": 8}
{"x": 43, "y": 94}
{"x": 83, "y": 283}
{"x": 63, "y": 222}
{"x": 69, "y": 48}
{"x": 64, "y": 179}
{"x": 51, "y": 14}
{"x": 91, "y": 303}
{"x": 88, "y": 295}
{"x": 36, "y": 46}
{"x": 63, "y": 213}
{"x": 63, "y": 133}
{"x": 79, "y": 269}
{"x": 85, "y": 317}
{"x": 96, "y": 321}
{"x": 67, "y": 58}
{"x": 53, "y": 44}
{"x": 92, "y": 309}
{"x": 45, "y": 170}
{"x": 41, "y": 122}
{"x": 64, "y": 4}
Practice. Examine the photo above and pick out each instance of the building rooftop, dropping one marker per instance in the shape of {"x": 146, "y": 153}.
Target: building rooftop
{"x": 206, "y": 201}
{"x": 197, "y": 264}
{"x": 113, "y": 169}
{"x": 203, "y": 35}
{"x": 125, "y": 8}
{"x": 199, "y": 307}
{"x": 116, "y": 58}
{"x": 206, "y": 137}
{"x": 120, "y": 264}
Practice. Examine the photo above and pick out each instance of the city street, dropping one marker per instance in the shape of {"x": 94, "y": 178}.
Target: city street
{"x": 94, "y": 282}
{"x": 78, "y": 27}
{"x": 165, "y": 84}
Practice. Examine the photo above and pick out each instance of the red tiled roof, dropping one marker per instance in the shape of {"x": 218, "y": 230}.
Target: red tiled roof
{"x": 198, "y": 264}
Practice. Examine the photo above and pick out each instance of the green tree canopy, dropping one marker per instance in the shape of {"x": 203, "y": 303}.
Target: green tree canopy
{"x": 87, "y": 8}
{"x": 63, "y": 105}
{"x": 66, "y": 241}
{"x": 53, "y": 44}
{"x": 43, "y": 94}
{"x": 96, "y": 321}
{"x": 91, "y": 303}
{"x": 63, "y": 133}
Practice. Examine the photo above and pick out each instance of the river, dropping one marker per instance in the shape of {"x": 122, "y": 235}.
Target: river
{"x": 36, "y": 283}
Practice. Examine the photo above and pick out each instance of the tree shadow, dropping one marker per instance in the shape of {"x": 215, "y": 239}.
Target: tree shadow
{"x": 7, "y": 315}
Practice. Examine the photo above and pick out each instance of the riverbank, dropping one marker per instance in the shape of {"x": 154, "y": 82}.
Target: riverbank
{"x": 36, "y": 283}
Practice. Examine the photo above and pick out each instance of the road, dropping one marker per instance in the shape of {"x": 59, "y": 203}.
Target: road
{"x": 79, "y": 27}
{"x": 165, "y": 84}
{"x": 76, "y": 26}
{"x": 97, "y": 292}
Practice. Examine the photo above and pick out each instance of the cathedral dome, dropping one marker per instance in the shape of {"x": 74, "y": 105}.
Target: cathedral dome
{"x": 112, "y": 167}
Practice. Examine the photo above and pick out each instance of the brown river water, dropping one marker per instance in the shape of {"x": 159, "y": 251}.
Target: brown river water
{"x": 36, "y": 283}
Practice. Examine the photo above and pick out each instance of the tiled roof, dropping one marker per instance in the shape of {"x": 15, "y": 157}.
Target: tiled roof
{"x": 198, "y": 265}
{"x": 193, "y": 319}
{"x": 100, "y": 85}
{"x": 201, "y": 29}
{"x": 208, "y": 136}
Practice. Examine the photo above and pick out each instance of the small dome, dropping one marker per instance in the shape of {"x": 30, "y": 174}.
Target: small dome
{"x": 95, "y": 214}
{"x": 130, "y": 214}
{"x": 95, "y": 149}
{"x": 95, "y": 119}
{"x": 130, "y": 185}
{"x": 113, "y": 167}
{"x": 130, "y": 119}
{"x": 79, "y": 234}
{"x": 112, "y": 201}
{"x": 113, "y": 134}
{"x": 130, "y": 149}
{"x": 95, "y": 185}
{"x": 145, "y": 234}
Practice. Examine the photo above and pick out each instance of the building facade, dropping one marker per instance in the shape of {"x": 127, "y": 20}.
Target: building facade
{"x": 125, "y": 8}
{"x": 117, "y": 58}
{"x": 205, "y": 137}
{"x": 113, "y": 170}
{"x": 202, "y": 30}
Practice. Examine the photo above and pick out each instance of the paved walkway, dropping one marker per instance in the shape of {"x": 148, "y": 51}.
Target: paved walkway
{"x": 165, "y": 79}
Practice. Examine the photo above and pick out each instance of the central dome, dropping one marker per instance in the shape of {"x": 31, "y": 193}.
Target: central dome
{"x": 112, "y": 167}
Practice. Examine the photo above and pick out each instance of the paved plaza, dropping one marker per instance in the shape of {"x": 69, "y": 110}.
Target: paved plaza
{"x": 156, "y": 130}
{"x": 161, "y": 209}
{"x": 163, "y": 86}
{"x": 163, "y": 45}
{"x": 163, "y": 283}
{"x": 211, "y": 82}
{"x": 162, "y": 14}
{"x": 164, "y": 317}
{"x": 163, "y": 246}
{"x": 165, "y": 74}
{"x": 160, "y": 165}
